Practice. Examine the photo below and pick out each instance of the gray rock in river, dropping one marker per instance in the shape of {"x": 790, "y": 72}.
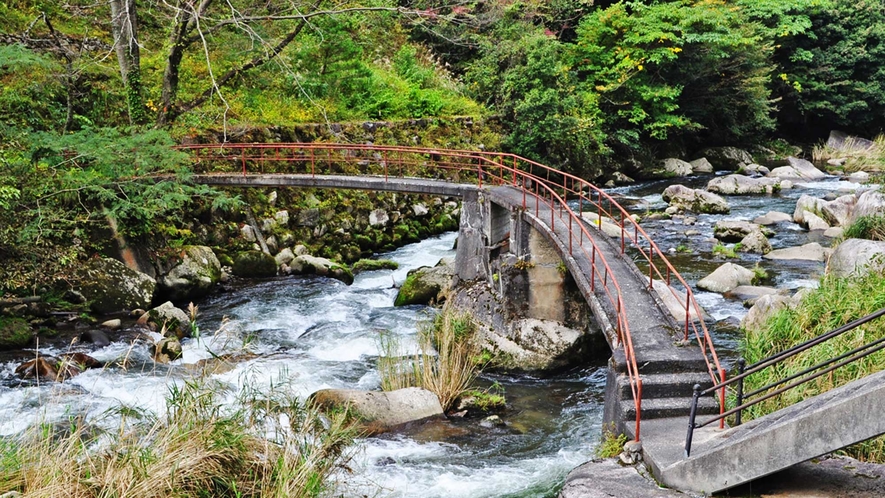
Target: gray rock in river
{"x": 695, "y": 200}
{"x": 807, "y": 252}
{"x": 312, "y": 265}
{"x": 254, "y": 264}
{"x": 196, "y": 273}
{"x": 379, "y": 412}
{"x": 755, "y": 242}
{"x": 426, "y": 284}
{"x": 726, "y": 278}
{"x": 869, "y": 203}
{"x": 744, "y": 185}
{"x": 799, "y": 169}
{"x": 701, "y": 166}
{"x": 773, "y": 217}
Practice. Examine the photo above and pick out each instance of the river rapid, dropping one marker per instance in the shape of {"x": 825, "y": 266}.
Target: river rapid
{"x": 312, "y": 333}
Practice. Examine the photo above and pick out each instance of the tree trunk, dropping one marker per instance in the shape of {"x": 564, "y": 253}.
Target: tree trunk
{"x": 124, "y": 23}
{"x": 177, "y": 44}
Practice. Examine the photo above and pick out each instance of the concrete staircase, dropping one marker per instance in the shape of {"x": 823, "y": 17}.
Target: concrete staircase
{"x": 721, "y": 459}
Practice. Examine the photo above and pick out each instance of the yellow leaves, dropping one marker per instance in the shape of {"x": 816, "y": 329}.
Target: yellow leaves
{"x": 675, "y": 50}
{"x": 640, "y": 67}
{"x": 784, "y": 77}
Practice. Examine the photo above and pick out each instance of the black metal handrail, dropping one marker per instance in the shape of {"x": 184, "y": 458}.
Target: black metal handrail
{"x": 792, "y": 381}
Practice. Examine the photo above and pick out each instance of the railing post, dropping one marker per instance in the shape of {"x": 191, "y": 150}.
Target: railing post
{"x": 742, "y": 364}
{"x": 688, "y": 313}
{"x": 593, "y": 269}
{"x": 243, "y": 157}
{"x": 691, "y": 418}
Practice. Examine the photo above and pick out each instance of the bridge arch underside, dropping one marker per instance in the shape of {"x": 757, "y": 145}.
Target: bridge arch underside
{"x": 495, "y": 233}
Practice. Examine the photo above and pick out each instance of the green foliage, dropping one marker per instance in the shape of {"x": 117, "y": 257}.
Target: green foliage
{"x": 834, "y": 73}
{"x": 870, "y": 227}
{"x": 524, "y": 76}
{"x": 759, "y": 274}
{"x": 611, "y": 445}
{"x": 834, "y": 303}
{"x": 665, "y": 69}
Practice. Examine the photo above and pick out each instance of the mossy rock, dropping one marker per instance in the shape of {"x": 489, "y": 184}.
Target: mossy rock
{"x": 254, "y": 264}
{"x": 374, "y": 264}
{"x": 111, "y": 286}
{"x": 15, "y": 333}
{"x": 312, "y": 265}
{"x": 425, "y": 285}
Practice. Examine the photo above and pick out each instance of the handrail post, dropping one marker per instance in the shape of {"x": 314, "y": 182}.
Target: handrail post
{"x": 691, "y": 418}
{"x": 742, "y": 364}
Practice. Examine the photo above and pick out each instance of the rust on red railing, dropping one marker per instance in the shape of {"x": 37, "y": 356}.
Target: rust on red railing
{"x": 534, "y": 180}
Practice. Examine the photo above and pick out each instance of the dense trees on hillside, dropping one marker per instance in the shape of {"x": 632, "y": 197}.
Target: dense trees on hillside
{"x": 579, "y": 84}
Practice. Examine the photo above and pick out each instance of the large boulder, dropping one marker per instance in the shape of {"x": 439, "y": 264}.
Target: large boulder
{"x": 426, "y": 284}
{"x": 166, "y": 350}
{"x": 807, "y": 252}
{"x": 735, "y": 230}
{"x": 674, "y": 301}
{"x": 843, "y": 142}
{"x": 755, "y": 242}
{"x": 254, "y": 264}
{"x": 676, "y": 167}
{"x": 194, "y": 276}
{"x": 797, "y": 168}
{"x": 695, "y": 200}
{"x": 378, "y": 412}
{"x": 807, "y": 204}
{"x": 111, "y": 286}
{"x": 701, "y": 165}
{"x": 312, "y": 265}
{"x": 857, "y": 256}
{"x": 726, "y": 158}
{"x": 764, "y": 307}
{"x": 743, "y": 185}
{"x": 535, "y": 344}
{"x": 726, "y": 278}
{"x": 169, "y": 318}
{"x": 869, "y": 203}
{"x": 838, "y": 212}
{"x": 772, "y": 217}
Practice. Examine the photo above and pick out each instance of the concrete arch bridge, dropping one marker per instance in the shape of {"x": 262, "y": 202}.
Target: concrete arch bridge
{"x": 660, "y": 350}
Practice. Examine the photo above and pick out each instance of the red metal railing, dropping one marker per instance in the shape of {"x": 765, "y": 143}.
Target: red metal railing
{"x": 539, "y": 184}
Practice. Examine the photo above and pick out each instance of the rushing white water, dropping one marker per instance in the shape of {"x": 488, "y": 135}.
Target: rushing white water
{"x": 316, "y": 333}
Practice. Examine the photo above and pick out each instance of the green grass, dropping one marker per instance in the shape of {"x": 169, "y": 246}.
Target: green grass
{"x": 871, "y": 159}
{"x": 870, "y": 227}
{"x": 725, "y": 251}
{"x": 836, "y": 302}
{"x": 201, "y": 447}
{"x": 445, "y": 364}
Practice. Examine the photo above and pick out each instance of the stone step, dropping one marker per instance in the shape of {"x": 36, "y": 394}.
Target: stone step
{"x": 650, "y": 363}
{"x": 653, "y": 408}
{"x": 665, "y": 385}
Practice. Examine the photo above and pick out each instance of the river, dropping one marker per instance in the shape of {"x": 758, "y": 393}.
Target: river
{"x": 314, "y": 333}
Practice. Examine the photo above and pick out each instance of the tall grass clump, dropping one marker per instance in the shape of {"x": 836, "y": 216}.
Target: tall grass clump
{"x": 870, "y": 227}
{"x": 267, "y": 446}
{"x": 857, "y": 158}
{"x": 836, "y": 302}
{"x": 444, "y": 363}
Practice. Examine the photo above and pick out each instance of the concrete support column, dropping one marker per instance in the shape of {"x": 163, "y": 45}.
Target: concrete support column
{"x": 472, "y": 255}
